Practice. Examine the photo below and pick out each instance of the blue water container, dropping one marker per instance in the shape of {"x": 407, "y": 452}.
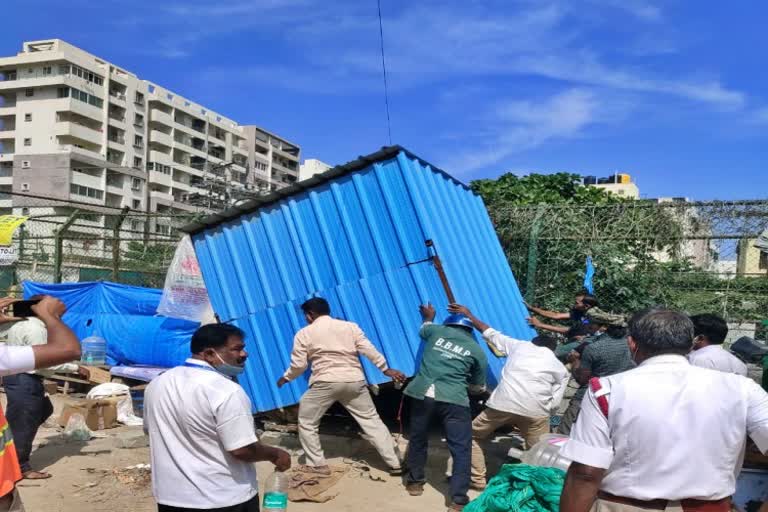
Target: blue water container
{"x": 93, "y": 351}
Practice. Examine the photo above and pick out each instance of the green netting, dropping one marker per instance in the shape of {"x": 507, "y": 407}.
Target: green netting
{"x": 521, "y": 488}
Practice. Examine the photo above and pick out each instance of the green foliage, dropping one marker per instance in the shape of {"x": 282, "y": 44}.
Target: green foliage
{"x": 637, "y": 248}
{"x": 561, "y": 188}
{"x": 149, "y": 257}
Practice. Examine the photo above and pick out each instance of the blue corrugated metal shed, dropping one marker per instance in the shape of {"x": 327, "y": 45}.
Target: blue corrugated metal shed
{"x": 356, "y": 236}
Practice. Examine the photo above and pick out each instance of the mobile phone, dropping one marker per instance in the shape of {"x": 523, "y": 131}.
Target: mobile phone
{"x": 23, "y": 308}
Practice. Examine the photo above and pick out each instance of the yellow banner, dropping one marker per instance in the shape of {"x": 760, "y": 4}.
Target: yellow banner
{"x": 8, "y": 224}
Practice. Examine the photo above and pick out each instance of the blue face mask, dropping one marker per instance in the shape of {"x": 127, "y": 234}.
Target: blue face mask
{"x": 230, "y": 370}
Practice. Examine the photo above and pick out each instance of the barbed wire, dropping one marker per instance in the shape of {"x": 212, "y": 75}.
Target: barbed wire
{"x": 695, "y": 256}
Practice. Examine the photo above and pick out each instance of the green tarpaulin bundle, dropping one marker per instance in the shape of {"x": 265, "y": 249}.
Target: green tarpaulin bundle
{"x": 521, "y": 488}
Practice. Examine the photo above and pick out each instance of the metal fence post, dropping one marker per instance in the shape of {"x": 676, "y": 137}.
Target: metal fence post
{"x": 58, "y": 247}
{"x": 533, "y": 253}
{"x": 116, "y": 244}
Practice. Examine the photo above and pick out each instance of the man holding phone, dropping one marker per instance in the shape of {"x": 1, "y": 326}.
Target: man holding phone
{"x": 28, "y": 405}
{"x": 63, "y": 346}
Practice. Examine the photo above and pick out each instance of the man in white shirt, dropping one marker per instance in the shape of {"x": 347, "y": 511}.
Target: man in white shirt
{"x": 28, "y": 405}
{"x": 62, "y": 346}
{"x": 531, "y": 386}
{"x": 710, "y": 332}
{"x": 202, "y": 438}
{"x": 664, "y": 433}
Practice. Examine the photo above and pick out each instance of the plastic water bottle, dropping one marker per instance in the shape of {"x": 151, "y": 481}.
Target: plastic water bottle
{"x": 94, "y": 351}
{"x": 545, "y": 453}
{"x": 276, "y": 493}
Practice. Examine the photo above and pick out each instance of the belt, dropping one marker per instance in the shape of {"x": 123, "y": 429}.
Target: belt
{"x": 688, "y": 504}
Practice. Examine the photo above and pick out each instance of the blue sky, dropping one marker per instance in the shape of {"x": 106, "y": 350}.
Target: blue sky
{"x": 673, "y": 92}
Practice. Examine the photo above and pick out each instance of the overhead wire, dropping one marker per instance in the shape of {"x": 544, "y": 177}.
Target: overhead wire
{"x": 384, "y": 71}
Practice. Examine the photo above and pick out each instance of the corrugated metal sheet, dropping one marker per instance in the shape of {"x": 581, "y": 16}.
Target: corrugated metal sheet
{"x": 356, "y": 237}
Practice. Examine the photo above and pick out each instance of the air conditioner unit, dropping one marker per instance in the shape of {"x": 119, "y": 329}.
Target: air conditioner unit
{"x": 26, "y": 164}
{"x": 25, "y": 187}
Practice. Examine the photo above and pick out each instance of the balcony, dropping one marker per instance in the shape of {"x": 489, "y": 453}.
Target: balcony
{"x": 282, "y": 168}
{"x": 161, "y": 117}
{"x": 7, "y": 156}
{"x": 78, "y": 107}
{"x": 117, "y": 97}
{"x": 158, "y": 137}
{"x": 79, "y": 131}
{"x": 160, "y": 178}
{"x": 116, "y": 142}
{"x": 160, "y": 157}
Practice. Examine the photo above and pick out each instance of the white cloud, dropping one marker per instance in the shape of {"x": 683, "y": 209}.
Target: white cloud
{"x": 524, "y": 125}
{"x": 641, "y": 9}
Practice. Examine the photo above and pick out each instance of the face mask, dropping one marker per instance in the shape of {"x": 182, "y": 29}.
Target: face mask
{"x": 230, "y": 370}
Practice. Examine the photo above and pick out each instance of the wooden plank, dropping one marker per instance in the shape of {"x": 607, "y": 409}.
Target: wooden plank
{"x": 96, "y": 375}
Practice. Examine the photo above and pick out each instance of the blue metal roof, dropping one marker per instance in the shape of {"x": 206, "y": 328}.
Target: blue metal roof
{"x": 355, "y": 236}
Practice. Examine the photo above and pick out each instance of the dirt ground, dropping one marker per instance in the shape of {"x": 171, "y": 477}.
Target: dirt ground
{"x": 92, "y": 477}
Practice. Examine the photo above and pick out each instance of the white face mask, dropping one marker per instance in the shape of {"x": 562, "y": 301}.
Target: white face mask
{"x": 230, "y": 370}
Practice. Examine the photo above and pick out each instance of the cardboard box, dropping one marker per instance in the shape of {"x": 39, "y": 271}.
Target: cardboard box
{"x": 99, "y": 414}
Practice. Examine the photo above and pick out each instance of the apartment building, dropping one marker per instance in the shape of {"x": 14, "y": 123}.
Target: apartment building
{"x": 312, "y": 166}
{"x": 74, "y": 127}
{"x": 618, "y": 184}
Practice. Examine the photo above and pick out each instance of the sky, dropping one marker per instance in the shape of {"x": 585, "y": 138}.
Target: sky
{"x": 674, "y": 92}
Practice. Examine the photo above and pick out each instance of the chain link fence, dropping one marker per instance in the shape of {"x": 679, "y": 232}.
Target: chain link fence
{"x": 694, "y": 256}
{"x": 72, "y": 242}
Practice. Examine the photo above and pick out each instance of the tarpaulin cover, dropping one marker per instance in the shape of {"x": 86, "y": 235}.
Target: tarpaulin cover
{"x": 125, "y": 317}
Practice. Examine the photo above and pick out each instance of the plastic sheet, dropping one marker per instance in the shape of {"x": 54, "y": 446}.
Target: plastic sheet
{"x": 125, "y": 317}
{"x": 184, "y": 293}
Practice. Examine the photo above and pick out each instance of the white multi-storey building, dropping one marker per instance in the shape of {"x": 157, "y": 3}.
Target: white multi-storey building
{"x": 75, "y": 127}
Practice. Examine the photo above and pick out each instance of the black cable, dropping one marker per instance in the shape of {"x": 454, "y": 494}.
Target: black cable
{"x": 384, "y": 69}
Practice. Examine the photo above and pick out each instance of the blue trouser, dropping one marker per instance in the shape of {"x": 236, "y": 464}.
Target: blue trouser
{"x": 27, "y": 410}
{"x": 457, "y": 425}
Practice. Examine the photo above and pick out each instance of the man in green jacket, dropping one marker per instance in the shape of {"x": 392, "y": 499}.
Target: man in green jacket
{"x": 452, "y": 365}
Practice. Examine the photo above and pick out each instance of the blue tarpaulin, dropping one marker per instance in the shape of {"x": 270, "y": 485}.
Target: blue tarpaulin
{"x": 125, "y": 317}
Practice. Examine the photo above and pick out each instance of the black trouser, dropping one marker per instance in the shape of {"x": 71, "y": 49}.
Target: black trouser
{"x": 457, "y": 425}
{"x": 251, "y": 505}
{"x": 27, "y": 410}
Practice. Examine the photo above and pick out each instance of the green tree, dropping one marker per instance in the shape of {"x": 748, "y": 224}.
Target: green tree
{"x": 549, "y": 224}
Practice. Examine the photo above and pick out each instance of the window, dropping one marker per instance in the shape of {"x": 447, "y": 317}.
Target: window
{"x": 763, "y": 263}
{"x": 63, "y": 92}
{"x": 29, "y": 93}
{"x": 137, "y": 162}
{"x": 138, "y": 141}
{"x": 27, "y": 142}
{"x": 136, "y": 184}
{"x": 139, "y": 98}
{"x": 77, "y": 71}
{"x": 137, "y": 204}
{"x": 135, "y": 225}
{"x": 27, "y": 118}
{"x": 138, "y": 120}
{"x": 162, "y": 229}
{"x": 169, "y": 96}
{"x": 81, "y": 190}
{"x": 26, "y": 164}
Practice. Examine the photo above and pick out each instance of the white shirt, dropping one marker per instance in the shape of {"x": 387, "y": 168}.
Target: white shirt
{"x": 717, "y": 358}
{"x": 15, "y": 360}
{"x": 30, "y": 332}
{"x": 674, "y": 431}
{"x": 532, "y": 381}
{"x": 194, "y": 417}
